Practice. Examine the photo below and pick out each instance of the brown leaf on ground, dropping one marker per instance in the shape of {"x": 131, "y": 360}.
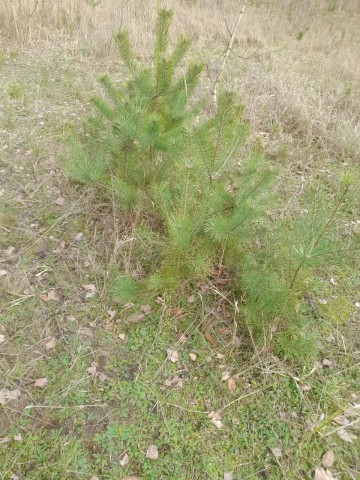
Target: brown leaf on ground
{"x": 176, "y": 312}
{"x": 51, "y": 295}
{"x": 60, "y": 201}
{"x": 146, "y": 309}
{"x": 6, "y": 395}
{"x": 276, "y": 452}
{"x": 152, "y": 452}
{"x": 342, "y": 420}
{"x": 137, "y": 317}
{"x": 305, "y": 388}
{"x": 321, "y": 474}
{"x": 60, "y": 247}
{"x": 3, "y": 273}
{"x": 210, "y": 339}
{"x": 9, "y": 251}
{"x": 231, "y": 384}
{"x": 346, "y": 435}
{"x": 92, "y": 370}
{"x": 50, "y": 344}
{"x": 90, "y": 290}
{"x": 224, "y": 330}
{"x": 192, "y": 356}
{"x": 124, "y": 460}
{"x": 191, "y": 299}
{"x": 18, "y": 438}
{"x": 328, "y": 459}
{"x": 41, "y": 382}
{"x": 225, "y": 376}
{"x": 326, "y": 362}
{"x": 172, "y": 355}
{"x": 2, "y": 339}
{"x": 215, "y": 419}
{"x": 222, "y": 281}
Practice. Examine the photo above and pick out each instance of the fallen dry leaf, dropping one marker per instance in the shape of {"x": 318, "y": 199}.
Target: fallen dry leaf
{"x": 321, "y": 474}
{"x": 176, "y": 312}
{"x": 220, "y": 356}
{"x": 124, "y": 460}
{"x": 342, "y": 420}
{"x": 327, "y": 363}
{"x": 345, "y": 435}
{"x": 102, "y": 377}
{"x": 172, "y": 355}
{"x": 328, "y": 459}
{"x": 111, "y": 313}
{"x": 9, "y": 251}
{"x": 59, "y": 248}
{"x": 85, "y": 332}
{"x": 50, "y": 344}
{"x": 276, "y": 452}
{"x": 210, "y": 339}
{"x": 330, "y": 338}
{"x": 215, "y": 419}
{"x": 60, "y": 201}
{"x": 51, "y": 295}
{"x": 79, "y": 237}
{"x": 41, "y": 382}
{"x": 122, "y": 336}
{"x": 231, "y": 384}
{"x": 192, "y": 356}
{"x": 137, "y": 317}
{"x": 305, "y": 388}
{"x": 6, "y": 395}
{"x": 191, "y": 299}
{"x": 152, "y": 452}
{"x": 146, "y": 309}
{"x": 90, "y": 290}
{"x": 160, "y": 301}
{"x": 174, "y": 381}
{"x": 92, "y": 370}
{"x": 3, "y": 272}
{"x": 2, "y": 339}
{"x": 18, "y": 438}
{"x": 332, "y": 281}
{"x": 225, "y": 376}
{"x": 228, "y": 476}
{"x": 224, "y": 331}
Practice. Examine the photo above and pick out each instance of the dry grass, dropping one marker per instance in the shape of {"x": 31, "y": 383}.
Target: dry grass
{"x": 297, "y": 73}
{"x": 303, "y": 98}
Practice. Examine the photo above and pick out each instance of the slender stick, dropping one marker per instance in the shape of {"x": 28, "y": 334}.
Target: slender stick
{"x": 227, "y": 52}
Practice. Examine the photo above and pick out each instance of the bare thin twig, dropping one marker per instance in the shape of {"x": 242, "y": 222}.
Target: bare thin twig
{"x": 227, "y": 52}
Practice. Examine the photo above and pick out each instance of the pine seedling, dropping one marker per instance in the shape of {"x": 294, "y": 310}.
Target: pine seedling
{"x": 275, "y": 281}
{"x": 140, "y": 126}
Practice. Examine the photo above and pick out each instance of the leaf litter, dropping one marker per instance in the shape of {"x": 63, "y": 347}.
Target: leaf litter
{"x": 152, "y": 452}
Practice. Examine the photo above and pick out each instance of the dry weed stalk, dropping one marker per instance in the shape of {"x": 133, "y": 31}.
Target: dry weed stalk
{"x": 227, "y": 52}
